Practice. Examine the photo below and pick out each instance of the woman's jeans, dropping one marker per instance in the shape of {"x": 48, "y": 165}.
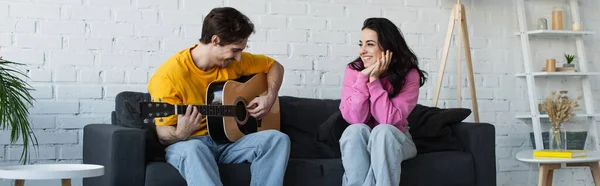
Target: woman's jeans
{"x": 374, "y": 157}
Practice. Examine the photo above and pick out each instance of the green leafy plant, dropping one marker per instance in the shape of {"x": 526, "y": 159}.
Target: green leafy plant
{"x": 15, "y": 99}
{"x": 569, "y": 58}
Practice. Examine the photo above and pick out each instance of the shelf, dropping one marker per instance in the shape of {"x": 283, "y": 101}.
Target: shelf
{"x": 556, "y": 33}
{"x": 528, "y": 116}
{"x": 560, "y": 74}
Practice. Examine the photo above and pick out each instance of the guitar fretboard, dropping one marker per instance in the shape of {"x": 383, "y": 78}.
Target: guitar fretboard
{"x": 210, "y": 110}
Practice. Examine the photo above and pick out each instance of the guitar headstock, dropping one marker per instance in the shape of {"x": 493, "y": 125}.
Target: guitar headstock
{"x": 151, "y": 109}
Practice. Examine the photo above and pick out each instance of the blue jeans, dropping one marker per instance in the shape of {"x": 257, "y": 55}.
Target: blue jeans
{"x": 374, "y": 157}
{"x": 196, "y": 158}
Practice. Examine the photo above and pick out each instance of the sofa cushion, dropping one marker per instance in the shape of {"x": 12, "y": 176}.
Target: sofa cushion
{"x": 314, "y": 172}
{"x": 300, "y": 120}
{"x": 162, "y": 173}
{"x": 300, "y": 172}
{"x": 451, "y": 168}
{"x": 446, "y": 167}
{"x": 331, "y": 131}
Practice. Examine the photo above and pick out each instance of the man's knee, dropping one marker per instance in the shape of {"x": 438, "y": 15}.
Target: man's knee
{"x": 277, "y": 136}
{"x": 188, "y": 147}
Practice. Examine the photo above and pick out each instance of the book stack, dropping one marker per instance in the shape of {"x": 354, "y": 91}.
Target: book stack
{"x": 560, "y": 153}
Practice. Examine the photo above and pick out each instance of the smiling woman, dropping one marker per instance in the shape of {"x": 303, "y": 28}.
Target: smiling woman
{"x": 380, "y": 89}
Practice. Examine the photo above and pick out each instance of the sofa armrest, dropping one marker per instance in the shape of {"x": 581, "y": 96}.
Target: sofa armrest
{"x": 479, "y": 139}
{"x": 121, "y": 150}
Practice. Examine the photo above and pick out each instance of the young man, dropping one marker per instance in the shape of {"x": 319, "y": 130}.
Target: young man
{"x": 184, "y": 78}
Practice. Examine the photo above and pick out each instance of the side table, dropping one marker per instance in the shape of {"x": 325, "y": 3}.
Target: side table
{"x": 547, "y": 165}
{"x": 65, "y": 172}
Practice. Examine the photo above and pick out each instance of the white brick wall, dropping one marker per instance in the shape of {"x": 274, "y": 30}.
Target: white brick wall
{"x": 81, "y": 53}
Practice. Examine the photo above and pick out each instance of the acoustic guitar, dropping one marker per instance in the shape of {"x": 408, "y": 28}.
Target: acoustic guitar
{"x": 226, "y": 115}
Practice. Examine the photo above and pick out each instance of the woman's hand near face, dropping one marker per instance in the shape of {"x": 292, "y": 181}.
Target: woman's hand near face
{"x": 368, "y": 71}
{"x": 380, "y": 66}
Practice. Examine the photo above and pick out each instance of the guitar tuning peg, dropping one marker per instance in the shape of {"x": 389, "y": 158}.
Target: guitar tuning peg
{"x": 159, "y": 100}
{"x": 146, "y": 121}
{"x": 161, "y": 120}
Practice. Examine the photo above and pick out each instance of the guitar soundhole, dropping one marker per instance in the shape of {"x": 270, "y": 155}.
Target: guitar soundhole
{"x": 240, "y": 111}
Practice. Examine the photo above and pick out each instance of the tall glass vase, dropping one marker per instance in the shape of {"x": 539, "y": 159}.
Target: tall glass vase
{"x": 558, "y": 138}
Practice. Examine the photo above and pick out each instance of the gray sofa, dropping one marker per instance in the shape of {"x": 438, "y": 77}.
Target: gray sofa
{"x": 450, "y": 152}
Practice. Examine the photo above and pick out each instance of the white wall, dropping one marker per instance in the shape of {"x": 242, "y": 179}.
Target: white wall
{"x": 81, "y": 53}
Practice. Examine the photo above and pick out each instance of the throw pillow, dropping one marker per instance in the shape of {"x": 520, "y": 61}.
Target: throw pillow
{"x": 127, "y": 109}
{"x": 427, "y": 121}
{"x": 431, "y": 129}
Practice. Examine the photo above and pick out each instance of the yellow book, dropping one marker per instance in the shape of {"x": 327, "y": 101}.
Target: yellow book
{"x": 560, "y": 153}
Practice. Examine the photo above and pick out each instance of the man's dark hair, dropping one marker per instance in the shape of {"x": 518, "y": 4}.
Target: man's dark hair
{"x": 228, "y": 23}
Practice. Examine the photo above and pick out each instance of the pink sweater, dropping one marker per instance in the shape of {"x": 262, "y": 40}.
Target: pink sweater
{"x": 367, "y": 102}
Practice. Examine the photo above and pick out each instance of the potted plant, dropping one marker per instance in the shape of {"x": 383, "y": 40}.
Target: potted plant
{"x": 15, "y": 99}
{"x": 569, "y": 59}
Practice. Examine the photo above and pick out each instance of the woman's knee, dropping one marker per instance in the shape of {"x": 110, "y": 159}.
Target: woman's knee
{"x": 387, "y": 131}
{"x": 356, "y": 131}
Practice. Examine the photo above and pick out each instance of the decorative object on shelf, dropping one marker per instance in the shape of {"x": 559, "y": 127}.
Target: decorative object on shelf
{"x": 569, "y": 59}
{"x": 558, "y": 138}
{"x": 551, "y": 65}
{"x": 540, "y": 109}
{"x": 542, "y": 24}
{"x": 576, "y": 26}
{"x": 557, "y": 18}
{"x": 560, "y": 109}
{"x": 15, "y": 99}
{"x": 576, "y": 140}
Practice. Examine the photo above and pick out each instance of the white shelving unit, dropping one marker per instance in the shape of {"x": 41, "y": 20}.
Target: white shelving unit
{"x": 530, "y": 75}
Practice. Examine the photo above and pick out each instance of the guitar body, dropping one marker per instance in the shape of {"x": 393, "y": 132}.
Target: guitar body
{"x": 227, "y": 129}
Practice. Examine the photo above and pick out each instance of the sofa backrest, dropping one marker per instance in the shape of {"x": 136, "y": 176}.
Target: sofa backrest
{"x": 301, "y": 119}
{"x": 306, "y": 114}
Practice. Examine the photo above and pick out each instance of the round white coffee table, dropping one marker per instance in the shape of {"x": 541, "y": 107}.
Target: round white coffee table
{"x": 547, "y": 165}
{"x": 65, "y": 172}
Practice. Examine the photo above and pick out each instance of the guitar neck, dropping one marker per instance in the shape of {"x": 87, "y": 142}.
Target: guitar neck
{"x": 209, "y": 110}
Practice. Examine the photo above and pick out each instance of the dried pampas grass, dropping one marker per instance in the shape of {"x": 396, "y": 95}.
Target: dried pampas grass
{"x": 560, "y": 109}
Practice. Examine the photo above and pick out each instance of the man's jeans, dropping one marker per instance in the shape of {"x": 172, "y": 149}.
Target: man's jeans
{"x": 196, "y": 158}
{"x": 374, "y": 157}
